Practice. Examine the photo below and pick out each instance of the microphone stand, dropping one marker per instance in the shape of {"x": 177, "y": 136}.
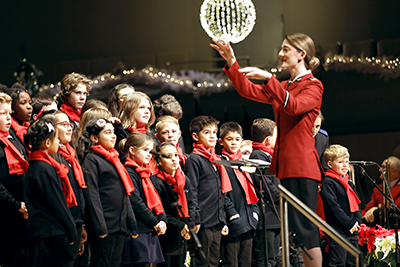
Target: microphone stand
{"x": 270, "y": 205}
{"x": 395, "y": 210}
{"x": 178, "y": 206}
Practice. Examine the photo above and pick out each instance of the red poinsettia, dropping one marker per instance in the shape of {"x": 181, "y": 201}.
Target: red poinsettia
{"x": 368, "y": 235}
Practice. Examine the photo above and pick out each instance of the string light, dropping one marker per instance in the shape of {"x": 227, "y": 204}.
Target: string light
{"x": 387, "y": 68}
{"x": 155, "y": 77}
{"x": 231, "y": 20}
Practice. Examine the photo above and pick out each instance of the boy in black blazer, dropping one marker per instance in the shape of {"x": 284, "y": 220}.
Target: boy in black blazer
{"x": 209, "y": 183}
{"x": 341, "y": 204}
{"x": 242, "y": 221}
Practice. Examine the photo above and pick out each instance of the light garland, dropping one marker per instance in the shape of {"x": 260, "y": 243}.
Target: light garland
{"x": 388, "y": 68}
{"x": 231, "y": 20}
{"x": 195, "y": 82}
{"x": 202, "y": 83}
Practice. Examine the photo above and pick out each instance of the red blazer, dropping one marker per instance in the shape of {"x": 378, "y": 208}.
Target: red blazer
{"x": 294, "y": 153}
{"x": 377, "y": 197}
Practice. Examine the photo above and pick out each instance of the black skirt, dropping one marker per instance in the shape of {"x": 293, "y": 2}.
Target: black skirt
{"x": 145, "y": 248}
{"x": 306, "y": 190}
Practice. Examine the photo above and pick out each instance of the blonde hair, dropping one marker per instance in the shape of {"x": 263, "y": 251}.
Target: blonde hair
{"x": 303, "y": 42}
{"x": 4, "y": 98}
{"x": 246, "y": 143}
{"x": 134, "y": 139}
{"x": 163, "y": 120}
{"x": 129, "y": 108}
{"x": 335, "y": 151}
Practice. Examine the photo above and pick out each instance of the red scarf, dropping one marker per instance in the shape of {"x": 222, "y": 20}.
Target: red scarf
{"x": 142, "y": 130}
{"x": 178, "y": 184}
{"x": 260, "y": 146}
{"x": 15, "y": 161}
{"x": 69, "y": 154}
{"x": 112, "y": 157}
{"x": 62, "y": 171}
{"x": 246, "y": 183}
{"x": 211, "y": 156}
{"x": 72, "y": 113}
{"x": 20, "y": 130}
{"x": 182, "y": 157}
{"x": 344, "y": 181}
{"x": 152, "y": 198}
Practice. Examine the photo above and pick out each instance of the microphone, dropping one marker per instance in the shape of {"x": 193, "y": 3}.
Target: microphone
{"x": 158, "y": 154}
{"x": 362, "y": 163}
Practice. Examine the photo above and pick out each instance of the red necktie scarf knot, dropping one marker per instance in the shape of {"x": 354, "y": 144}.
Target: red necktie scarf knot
{"x": 153, "y": 200}
{"x": 243, "y": 178}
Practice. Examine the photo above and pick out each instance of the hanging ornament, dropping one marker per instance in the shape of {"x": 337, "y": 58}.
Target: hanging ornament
{"x": 231, "y": 20}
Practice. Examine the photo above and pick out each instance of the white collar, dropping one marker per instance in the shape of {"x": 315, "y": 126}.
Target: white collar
{"x": 301, "y": 74}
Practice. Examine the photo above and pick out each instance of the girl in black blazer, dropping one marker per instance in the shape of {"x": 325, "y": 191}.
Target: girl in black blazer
{"x": 170, "y": 176}
{"x": 109, "y": 210}
{"x": 48, "y": 195}
{"x": 67, "y": 157}
{"x": 145, "y": 202}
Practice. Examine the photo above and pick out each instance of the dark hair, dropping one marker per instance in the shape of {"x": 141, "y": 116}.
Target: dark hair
{"x": 160, "y": 146}
{"x": 41, "y": 100}
{"x": 39, "y": 131}
{"x": 198, "y": 123}
{"x": 70, "y": 81}
{"x": 93, "y": 127}
{"x": 113, "y": 98}
{"x": 262, "y": 128}
{"x": 14, "y": 93}
{"x": 134, "y": 139}
{"x": 168, "y": 105}
{"x": 3, "y": 88}
{"x": 230, "y": 126}
{"x": 93, "y": 103}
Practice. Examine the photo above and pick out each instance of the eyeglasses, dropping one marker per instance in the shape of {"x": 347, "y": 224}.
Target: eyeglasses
{"x": 66, "y": 124}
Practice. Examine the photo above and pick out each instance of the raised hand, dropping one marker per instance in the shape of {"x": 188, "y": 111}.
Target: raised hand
{"x": 225, "y": 50}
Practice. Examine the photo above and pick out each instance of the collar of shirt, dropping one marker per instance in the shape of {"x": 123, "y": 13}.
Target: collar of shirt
{"x": 393, "y": 183}
{"x": 301, "y": 74}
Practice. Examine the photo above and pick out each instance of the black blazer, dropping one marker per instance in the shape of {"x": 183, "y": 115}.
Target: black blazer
{"x": 246, "y": 222}
{"x": 76, "y": 211}
{"x": 271, "y": 221}
{"x": 321, "y": 144}
{"x": 49, "y": 214}
{"x": 108, "y": 206}
{"x": 336, "y": 206}
{"x": 205, "y": 183}
{"x": 11, "y": 193}
{"x": 145, "y": 218}
{"x": 172, "y": 239}
{"x": 11, "y": 189}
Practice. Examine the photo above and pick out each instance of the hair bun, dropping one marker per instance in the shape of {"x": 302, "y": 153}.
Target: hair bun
{"x": 314, "y": 63}
{"x": 122, "y": 147}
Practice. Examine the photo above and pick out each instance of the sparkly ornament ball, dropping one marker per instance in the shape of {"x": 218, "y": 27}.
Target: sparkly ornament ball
{"x": 231, "y": 20}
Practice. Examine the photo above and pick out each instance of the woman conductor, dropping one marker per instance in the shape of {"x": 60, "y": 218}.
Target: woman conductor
{"x": 296, "y": 104}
